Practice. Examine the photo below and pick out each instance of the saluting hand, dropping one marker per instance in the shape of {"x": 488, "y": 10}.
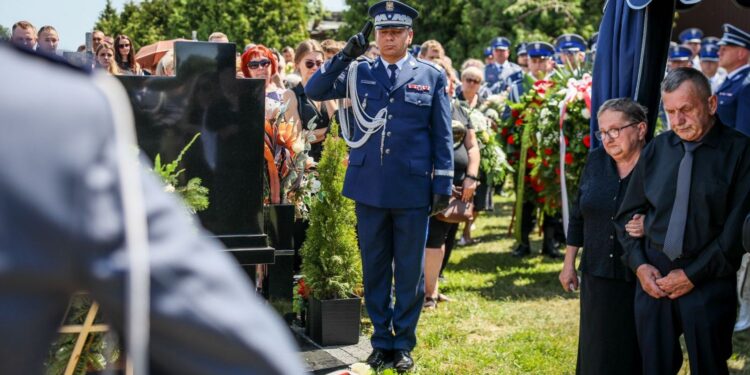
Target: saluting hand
{"x": 647, "y": 275}
{"x": 357, "y": 44}
{"x": 676, "y": 284}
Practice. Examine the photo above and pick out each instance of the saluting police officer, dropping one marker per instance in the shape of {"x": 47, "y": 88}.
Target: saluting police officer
{"x": 64, "y": 228}
{"x": 734, "y": 93}
{"x": 401, "y": 161}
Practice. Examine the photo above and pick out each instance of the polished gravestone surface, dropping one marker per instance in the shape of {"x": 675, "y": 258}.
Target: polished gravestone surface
{"x": 205, "y": 97}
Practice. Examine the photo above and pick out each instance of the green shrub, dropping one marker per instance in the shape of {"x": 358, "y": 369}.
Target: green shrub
{"x": 330, "y": 255}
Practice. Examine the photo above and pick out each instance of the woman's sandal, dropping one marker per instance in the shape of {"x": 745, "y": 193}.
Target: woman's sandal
{"x": 429, "y": 303}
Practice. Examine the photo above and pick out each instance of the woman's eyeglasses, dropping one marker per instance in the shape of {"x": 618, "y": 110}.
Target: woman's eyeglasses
{"x": 259, "y": 64}
{"x": 310, "y": 64}
{"x": 123, "y": 46}
{"x": 472, "y": 80}
{"x": 614, "y": 132}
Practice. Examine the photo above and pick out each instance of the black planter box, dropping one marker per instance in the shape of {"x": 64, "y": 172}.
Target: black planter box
{"x": 335, "y": 321}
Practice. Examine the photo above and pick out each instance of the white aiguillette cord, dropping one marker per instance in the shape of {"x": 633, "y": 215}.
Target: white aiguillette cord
{"x": 135, "y": 225}
{"x": 367, "y": 125}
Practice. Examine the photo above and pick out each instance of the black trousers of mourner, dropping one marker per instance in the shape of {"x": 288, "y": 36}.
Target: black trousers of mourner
{"x": 705, "y": 316}
{"x": 607, "y": 342}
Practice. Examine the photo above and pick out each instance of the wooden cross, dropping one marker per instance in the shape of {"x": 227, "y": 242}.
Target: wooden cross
{"x": 83, "y": 330}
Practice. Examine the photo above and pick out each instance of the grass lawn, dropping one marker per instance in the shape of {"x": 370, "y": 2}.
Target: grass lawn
{"x": 510, "y": 316}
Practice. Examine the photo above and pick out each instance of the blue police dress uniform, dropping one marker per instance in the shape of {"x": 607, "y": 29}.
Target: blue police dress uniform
{"x": 392, "y": 177}
{"x": 734, "y": 100}
{"x": 734, "y": 93}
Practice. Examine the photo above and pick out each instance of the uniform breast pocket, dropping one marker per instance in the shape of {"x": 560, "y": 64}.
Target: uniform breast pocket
{"x": 369, "y": 94}
{"x": 419, "y": 98}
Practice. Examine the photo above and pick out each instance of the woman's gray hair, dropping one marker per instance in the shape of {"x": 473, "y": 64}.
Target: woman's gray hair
{"x": 632, "y": 110}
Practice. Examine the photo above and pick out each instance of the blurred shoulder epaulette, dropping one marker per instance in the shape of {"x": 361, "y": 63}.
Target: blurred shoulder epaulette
{"x": 365, "y": 59}
{"x": 430, "y": 64}
{"x": 57, "y": 60}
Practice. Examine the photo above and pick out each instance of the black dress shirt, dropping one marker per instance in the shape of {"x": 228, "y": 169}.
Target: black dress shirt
{"x": 719, "y": 201}
{"x": 600, "y": 194}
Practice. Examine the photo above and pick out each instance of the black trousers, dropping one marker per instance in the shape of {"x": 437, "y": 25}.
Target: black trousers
{"x": 552, "y": 228}
{"x": 607, "y": 342}
{"x": 705, "y": 316}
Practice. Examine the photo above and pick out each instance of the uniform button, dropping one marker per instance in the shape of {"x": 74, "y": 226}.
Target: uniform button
{"x": 387, "y": 150}
{"x": 611, "y": 237}
{"x": 419, "y": 102}
{"x": 612, "y": 218}
{"x": 611, "y": 255}
{"x": 390, "y": 117}
{"x": 388, "y": 134}
{"x": 426, "y": 173}
{"x": 367, "y": 94}
{"x": 392, "y": 100}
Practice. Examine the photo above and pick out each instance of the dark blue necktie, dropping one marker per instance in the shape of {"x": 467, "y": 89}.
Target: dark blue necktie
{"x": 674, "y": 240}
{"x": 392, "y": 77}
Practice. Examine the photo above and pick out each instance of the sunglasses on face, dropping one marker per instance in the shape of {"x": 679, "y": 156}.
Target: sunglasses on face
{"x": 259, "y": 64}
{"x": 309, "y": 63}
{"x": 472, "y": 80}
{"x": 124, "y": 46}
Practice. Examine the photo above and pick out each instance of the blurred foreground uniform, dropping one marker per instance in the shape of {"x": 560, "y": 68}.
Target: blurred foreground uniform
{"x": 62, "y": 231}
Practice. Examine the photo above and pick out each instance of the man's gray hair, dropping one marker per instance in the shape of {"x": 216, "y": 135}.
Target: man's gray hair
{"x": 632, "y": 110}
{"x": 677, "y": 77}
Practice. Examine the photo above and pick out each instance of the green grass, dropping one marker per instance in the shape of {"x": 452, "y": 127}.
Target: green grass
{"x": 510, "y": 316}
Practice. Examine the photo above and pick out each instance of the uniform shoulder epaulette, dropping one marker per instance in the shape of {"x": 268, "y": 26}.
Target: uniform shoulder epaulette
{"x": 55, "y": 59}
{"x": 364, "y": 58}
{"x": 430, "y": 64}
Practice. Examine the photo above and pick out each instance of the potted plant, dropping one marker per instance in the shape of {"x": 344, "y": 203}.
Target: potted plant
{"x": 330, "y": 256}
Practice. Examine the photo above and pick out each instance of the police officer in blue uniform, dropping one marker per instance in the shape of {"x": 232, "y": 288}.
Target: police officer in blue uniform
{"x": 495, "y": 74}
{"x": 692, "y": 39}
{"x": 64, "y": 227}
{"x": 734, "y": 93}
{"x": 572, "y": 49}
{"x": 522, "y": 57}
{"x": 679, "y": 57}
{"x": 710, "y": 66}
{"x": 400, "y": 164}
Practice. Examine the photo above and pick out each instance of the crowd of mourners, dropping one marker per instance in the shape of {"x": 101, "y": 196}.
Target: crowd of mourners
{"x": 612, "y": 276}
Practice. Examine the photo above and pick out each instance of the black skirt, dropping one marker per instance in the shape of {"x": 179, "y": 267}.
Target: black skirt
{"x": 607, "y": 342}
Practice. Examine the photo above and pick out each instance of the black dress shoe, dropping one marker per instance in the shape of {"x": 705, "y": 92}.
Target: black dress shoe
{"x": 521, "y": 251}
{"x": 402, "y": 361}
{"x": 379, "y": 357}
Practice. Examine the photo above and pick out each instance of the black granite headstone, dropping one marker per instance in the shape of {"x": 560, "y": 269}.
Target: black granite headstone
{"x": 205, "y": 97}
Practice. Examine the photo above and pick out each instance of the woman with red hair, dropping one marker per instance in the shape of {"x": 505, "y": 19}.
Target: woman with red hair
{"x": 259, "y": 62}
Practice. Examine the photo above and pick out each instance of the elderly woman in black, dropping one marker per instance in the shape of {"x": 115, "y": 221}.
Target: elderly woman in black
{"x": 607, "y": 339}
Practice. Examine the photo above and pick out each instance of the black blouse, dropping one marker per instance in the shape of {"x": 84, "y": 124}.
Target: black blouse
{"x": 600, "y": 194}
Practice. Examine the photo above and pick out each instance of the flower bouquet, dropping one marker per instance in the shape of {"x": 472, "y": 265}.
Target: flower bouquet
{"x": 492, "y": 161}
{"x": 289, "y": 174}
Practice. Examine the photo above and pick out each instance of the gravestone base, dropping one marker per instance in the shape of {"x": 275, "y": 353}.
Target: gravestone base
{"x": 324, "y": 360}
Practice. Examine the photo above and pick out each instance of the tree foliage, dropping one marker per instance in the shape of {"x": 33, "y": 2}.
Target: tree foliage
{"x": 273, "y": 23}
{"x": 4, "y": 33}
{"x": 466, "y": 27}
{"x": 330, "y": 256}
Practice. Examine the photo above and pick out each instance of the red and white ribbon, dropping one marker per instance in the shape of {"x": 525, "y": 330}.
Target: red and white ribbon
{"x": 576, "y": 90}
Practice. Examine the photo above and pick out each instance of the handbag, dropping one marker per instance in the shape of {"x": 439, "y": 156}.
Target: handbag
{"x": 458, "y": 211}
